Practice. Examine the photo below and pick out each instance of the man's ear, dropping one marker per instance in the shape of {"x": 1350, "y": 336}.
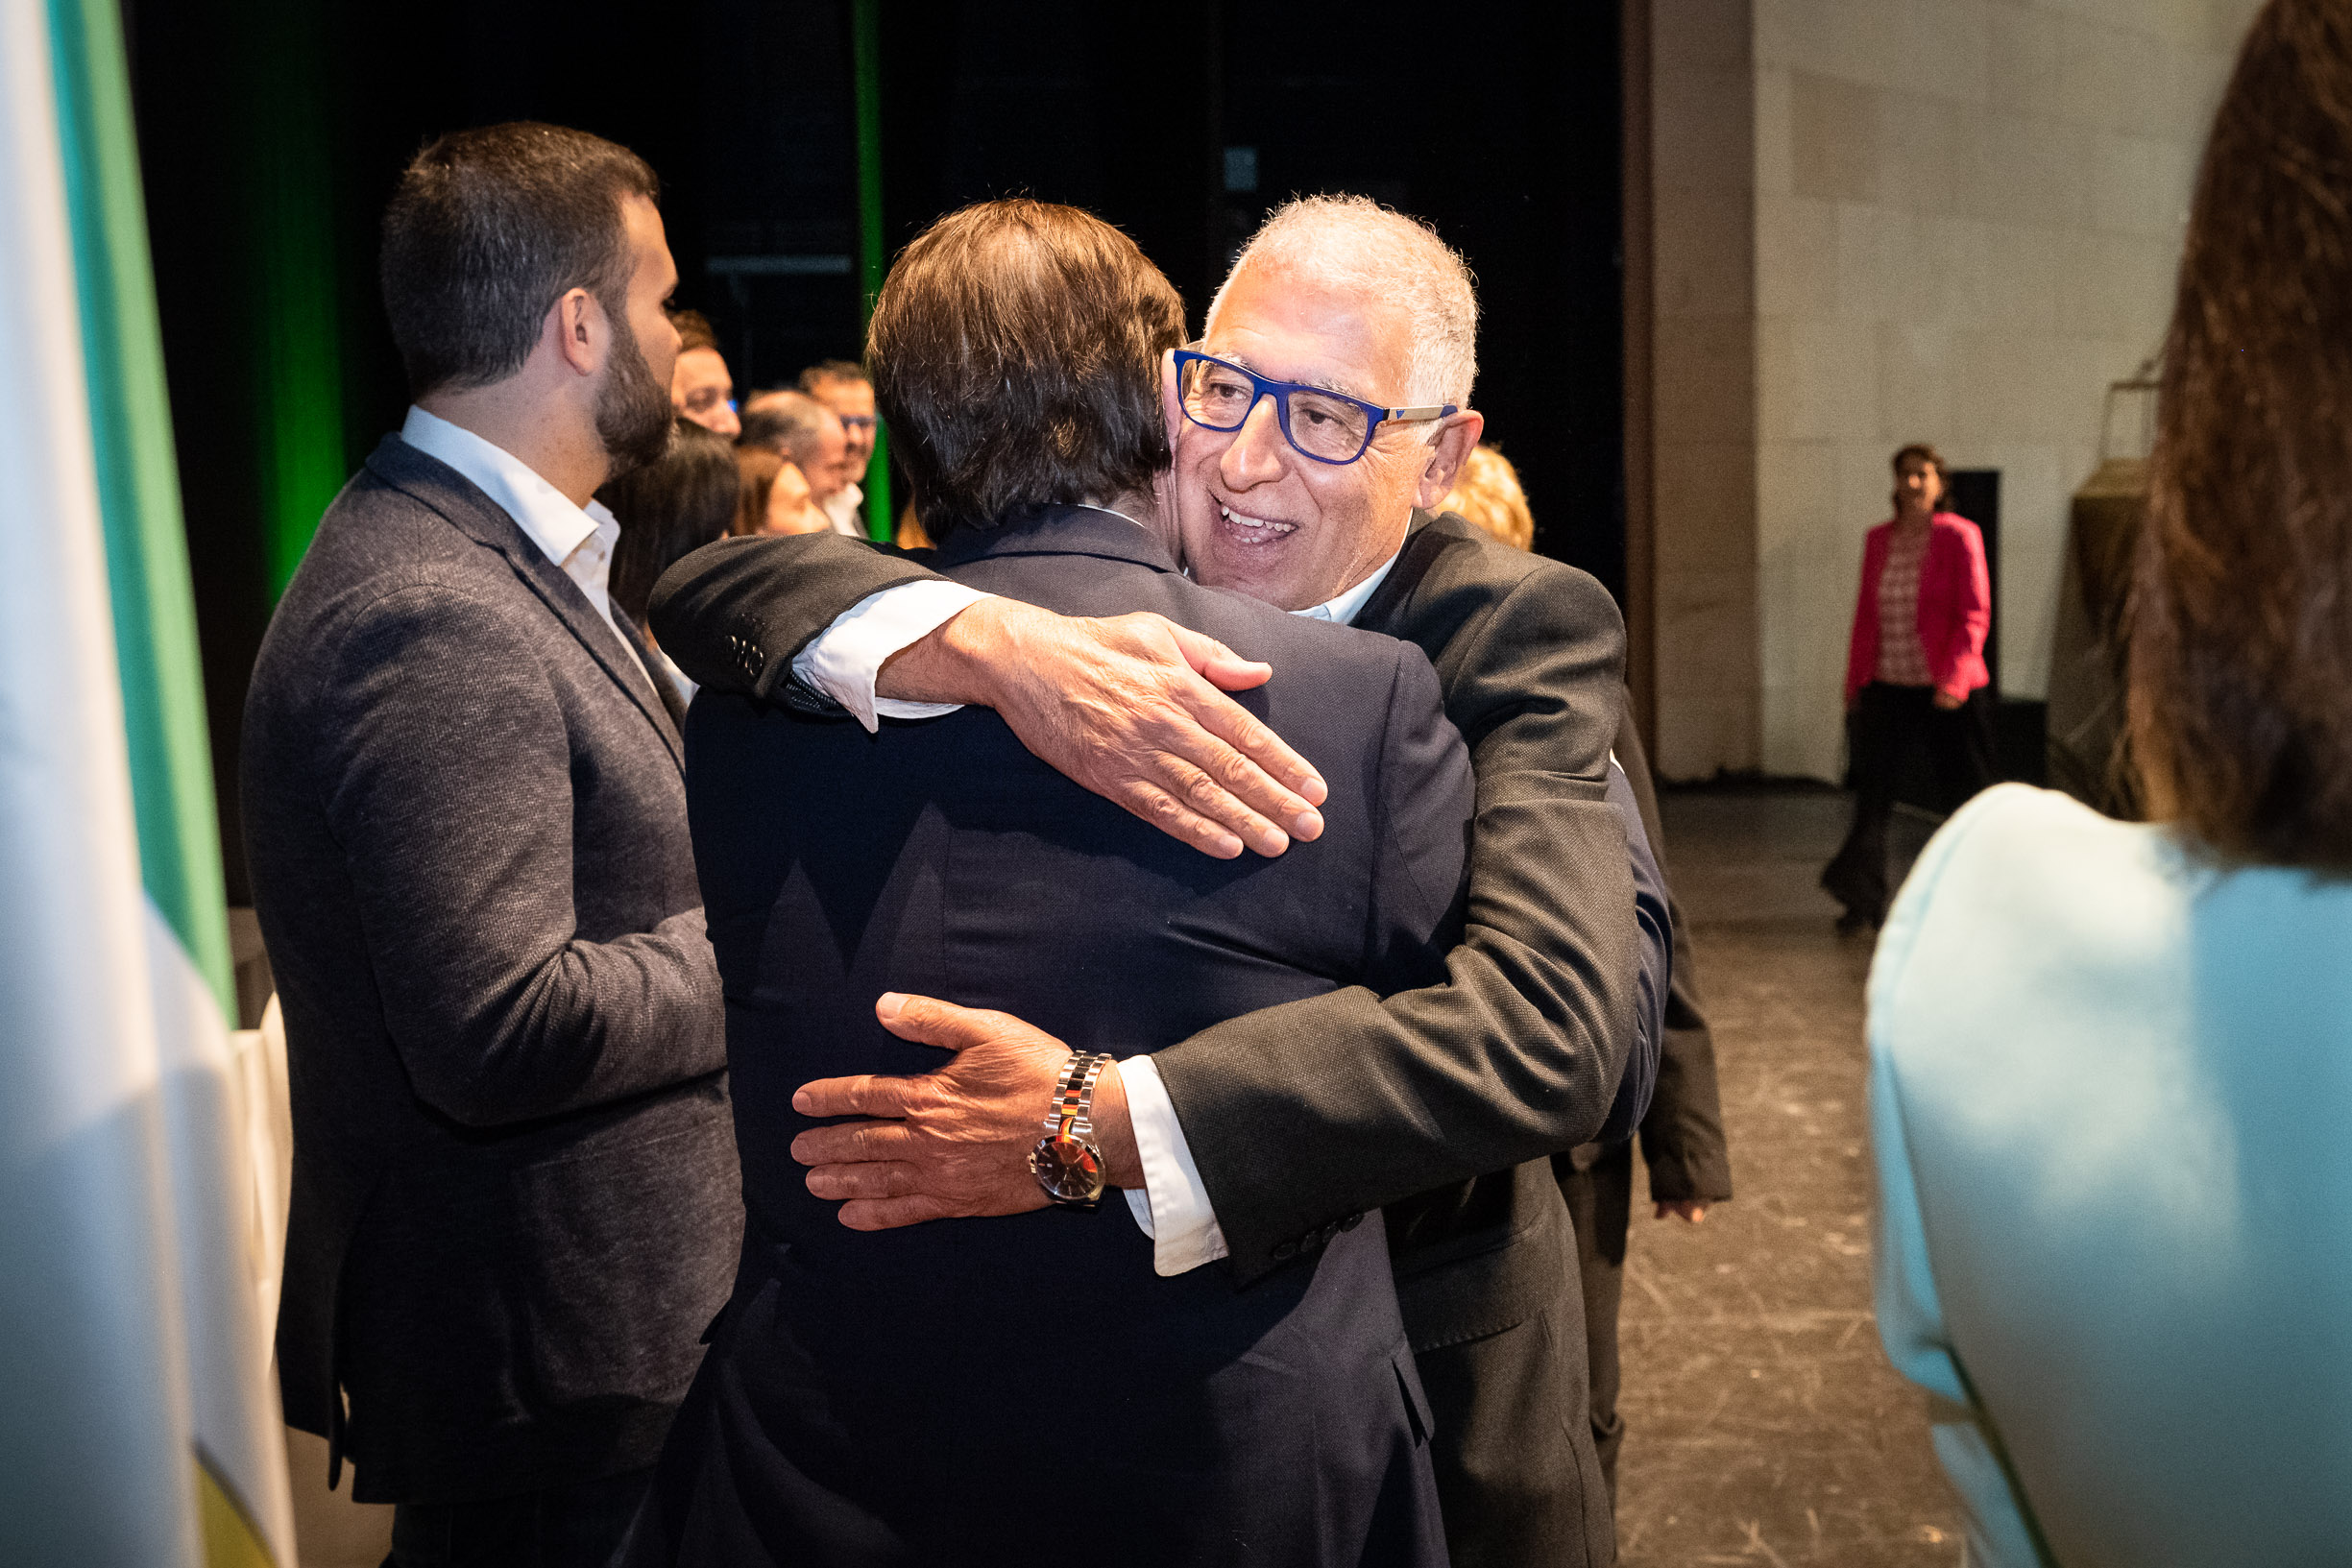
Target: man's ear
{"x": 1447, "y": 454}
{"x": 1172, "y": 406}
{"x": 577, "y": 329}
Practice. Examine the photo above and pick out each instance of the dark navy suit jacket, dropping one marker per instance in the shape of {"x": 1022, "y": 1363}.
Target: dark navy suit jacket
{"x": 947, "y": 1392}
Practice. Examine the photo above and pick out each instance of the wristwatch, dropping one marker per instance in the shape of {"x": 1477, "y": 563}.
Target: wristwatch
{"x": 1067, "y": 1162}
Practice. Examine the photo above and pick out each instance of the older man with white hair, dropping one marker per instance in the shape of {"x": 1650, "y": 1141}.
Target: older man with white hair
{"x": 1324, "y": 410}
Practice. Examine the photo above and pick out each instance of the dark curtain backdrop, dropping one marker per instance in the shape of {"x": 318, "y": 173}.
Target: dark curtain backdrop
{"x": 270, "y": 132}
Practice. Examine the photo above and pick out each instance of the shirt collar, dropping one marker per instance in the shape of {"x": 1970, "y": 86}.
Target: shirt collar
{"x": 1344, "y": 610}
{"x": 840, "y": 509}
{"x": 545, "y": 516}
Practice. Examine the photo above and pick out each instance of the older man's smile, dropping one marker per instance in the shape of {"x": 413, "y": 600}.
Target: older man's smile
{"x": 1244, "y": 529}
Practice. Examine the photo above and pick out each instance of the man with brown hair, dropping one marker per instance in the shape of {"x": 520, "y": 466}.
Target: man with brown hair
{"x": 515, "y": 1195}
{"x": 700, "y": 388}
{"x": 1326, "y": 408}
{"x": 939, "y": 1395}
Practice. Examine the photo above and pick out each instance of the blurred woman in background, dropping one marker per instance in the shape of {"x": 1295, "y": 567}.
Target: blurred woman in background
{"x": 1487, "y": 493}
{"x": 667, "y": 509}
{"x": 1915, "y": 675}
{"x": 2111, "y": 1063}
{"x": 773, "y": 495}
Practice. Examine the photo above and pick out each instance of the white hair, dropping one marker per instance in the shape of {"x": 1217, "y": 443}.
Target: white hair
{"x": 1354, "y": 244}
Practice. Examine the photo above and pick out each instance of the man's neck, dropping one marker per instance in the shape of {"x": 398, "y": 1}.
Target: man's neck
{"x": 549, "y": 437}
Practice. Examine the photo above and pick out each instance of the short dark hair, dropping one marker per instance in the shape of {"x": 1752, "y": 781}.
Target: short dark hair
{"x": 1926, "y": 454}
{"x": 2241, "y": 651}
{"x": 831, "y": 370}
{"x": 487, "y": 229}
{"x": 1016, "y": 352}
{"x": 679, "y": 503}
{"x": 693, "y": 329}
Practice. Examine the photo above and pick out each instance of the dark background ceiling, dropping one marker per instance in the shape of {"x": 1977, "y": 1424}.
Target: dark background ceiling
{"x": 270, "y": 132}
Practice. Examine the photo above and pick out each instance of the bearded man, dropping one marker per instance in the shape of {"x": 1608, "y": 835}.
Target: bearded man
{"x": 516, "y": 1202}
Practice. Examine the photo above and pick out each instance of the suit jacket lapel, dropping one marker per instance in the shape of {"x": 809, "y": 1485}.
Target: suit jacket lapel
{"x": 472, "y": 513}
{"x": 1388, "y": 602}
{"x": 672, "y": 703}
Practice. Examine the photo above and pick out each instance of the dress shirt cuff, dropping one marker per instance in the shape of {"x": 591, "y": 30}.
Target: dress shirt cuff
{"x": 1173, "y": 1207}
{"x": 845, "y": 660}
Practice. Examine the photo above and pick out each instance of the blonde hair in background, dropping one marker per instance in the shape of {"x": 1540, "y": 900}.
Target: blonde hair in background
{"x": 1488, "y": 493}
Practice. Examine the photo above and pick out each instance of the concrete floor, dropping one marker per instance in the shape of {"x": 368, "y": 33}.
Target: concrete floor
{"x": 1763, "y": 1423}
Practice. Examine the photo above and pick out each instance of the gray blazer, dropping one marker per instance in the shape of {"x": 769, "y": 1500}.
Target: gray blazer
{"x": 516, "y": 1203}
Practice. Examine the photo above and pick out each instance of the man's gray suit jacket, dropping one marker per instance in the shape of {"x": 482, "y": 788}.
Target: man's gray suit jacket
{"x": 516, "y": 1202}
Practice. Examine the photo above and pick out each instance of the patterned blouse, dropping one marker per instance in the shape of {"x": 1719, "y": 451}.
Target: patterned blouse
{"x": 1902, "y": 658}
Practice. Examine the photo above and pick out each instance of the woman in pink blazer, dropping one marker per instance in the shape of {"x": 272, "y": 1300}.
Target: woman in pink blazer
{"x": 1915, "y": 674}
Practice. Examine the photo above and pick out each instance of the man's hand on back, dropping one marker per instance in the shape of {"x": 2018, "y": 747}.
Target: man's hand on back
{"x": 955, "y": 1144}
{"x": 1133, "y": 707}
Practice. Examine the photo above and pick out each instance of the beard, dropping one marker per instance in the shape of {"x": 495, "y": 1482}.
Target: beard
{"x": 634, "y": 417}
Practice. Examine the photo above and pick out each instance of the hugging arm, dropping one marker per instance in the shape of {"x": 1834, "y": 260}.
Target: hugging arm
{"x": 1305, "y": 1113}
{"x": 1131, "y": 707}
{"x": 1298, "y": 1116}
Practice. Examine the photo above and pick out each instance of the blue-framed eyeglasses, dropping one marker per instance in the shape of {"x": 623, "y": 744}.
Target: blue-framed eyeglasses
{"x": 1328, "y": 426}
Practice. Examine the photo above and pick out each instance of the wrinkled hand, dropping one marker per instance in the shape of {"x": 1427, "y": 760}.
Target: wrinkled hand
{"x": 1695, "y": 1212}
{"x": 950, "y": 1144}
{"x": 1947, "y": 700}
{"x": 1133, "y": 707}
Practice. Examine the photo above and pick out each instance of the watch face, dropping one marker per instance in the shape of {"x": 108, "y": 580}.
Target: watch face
{"x": 1069, "y": 1171}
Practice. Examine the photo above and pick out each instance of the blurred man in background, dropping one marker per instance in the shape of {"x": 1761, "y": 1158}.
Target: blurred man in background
{"x": 811, "y": 438}
{"x": 843, "y": 388}
{"x": 700, "y": 387}
{"x": 1681, "y": 1137}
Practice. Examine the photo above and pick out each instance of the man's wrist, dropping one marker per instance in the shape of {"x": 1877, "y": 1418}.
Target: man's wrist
{"x": 1114, "y": 1131}
{"x": 958, "y": 661}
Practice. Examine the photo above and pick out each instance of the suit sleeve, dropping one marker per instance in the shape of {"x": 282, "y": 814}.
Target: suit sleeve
{"x": 1426, "y": 794}
{"x": 1302, "y": 1114}
{"x": 733, "y": 614}
{"x": 1683, "y": 1141}
{"x": 1654, "y": 979}
{"x": 453, "y": 804}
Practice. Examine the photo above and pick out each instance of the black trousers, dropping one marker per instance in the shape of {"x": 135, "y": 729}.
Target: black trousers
{"x": 1889, "y": 726}
{"x": 576, "y": 1526}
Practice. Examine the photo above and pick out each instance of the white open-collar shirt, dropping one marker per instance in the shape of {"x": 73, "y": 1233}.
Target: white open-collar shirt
{"x": 578, "y": 538}
{"x": 1173, "y": 1207}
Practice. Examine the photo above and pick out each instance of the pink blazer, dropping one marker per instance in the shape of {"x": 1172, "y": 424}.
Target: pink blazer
{"x": 1955, "y": 606}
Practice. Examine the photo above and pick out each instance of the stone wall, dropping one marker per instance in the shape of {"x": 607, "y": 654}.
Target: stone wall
{"x": 1953, "y": 221}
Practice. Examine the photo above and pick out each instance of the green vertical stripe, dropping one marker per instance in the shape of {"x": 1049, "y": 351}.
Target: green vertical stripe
{"x": 866, "y": 48}
{"x": 138, "y": 488}
{"x": 289, "y": 188}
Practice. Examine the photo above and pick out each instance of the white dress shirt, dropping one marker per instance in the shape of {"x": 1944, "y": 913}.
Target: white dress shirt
{"x": 840, "y": 508}
{"x": 1172, "y": 1206}
{"x": 578, "y": 540}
